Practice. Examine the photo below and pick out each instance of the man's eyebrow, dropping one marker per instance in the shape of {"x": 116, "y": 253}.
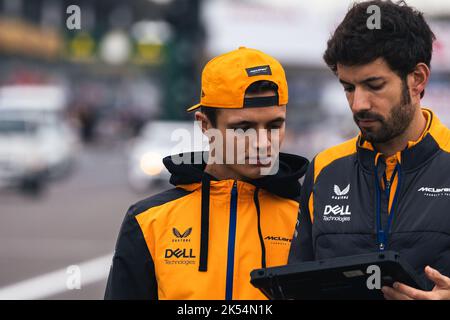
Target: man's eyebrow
{"x": 365, "y": 81}
{"x": 252, "y": 123}
{"x": 279, "y": 119}
{"x": 371, "y": 79}
{"x": 345, "y": 82}
{"x": 241, "y": 123}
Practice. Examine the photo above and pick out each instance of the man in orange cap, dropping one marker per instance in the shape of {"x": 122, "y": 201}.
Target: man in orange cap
{"x": 229, "y": 213}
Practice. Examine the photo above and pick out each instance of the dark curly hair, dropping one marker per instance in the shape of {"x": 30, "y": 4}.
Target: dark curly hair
{"x": 403, "y": 41}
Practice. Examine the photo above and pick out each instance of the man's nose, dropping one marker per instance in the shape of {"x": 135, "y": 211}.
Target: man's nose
{"x": 263, "y": 141}
{"x": 359, "y": 101}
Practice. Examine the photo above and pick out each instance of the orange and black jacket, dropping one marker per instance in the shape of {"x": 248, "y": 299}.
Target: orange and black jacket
{"x": 201, "y": 239}
{"x": 354, "y": 201}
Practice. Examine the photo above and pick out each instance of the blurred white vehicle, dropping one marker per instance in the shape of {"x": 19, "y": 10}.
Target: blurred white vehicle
{"x": 21, "y": 164}
{"x": 35, "y": 142}
{"x": 157, "y": 140}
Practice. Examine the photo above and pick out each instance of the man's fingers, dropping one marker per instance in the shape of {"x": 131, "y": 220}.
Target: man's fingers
{"x": 386, "y": 295}
{"x": 440, "y": 280}
{"x": 392, "y": 294}
{"x": 411, "y": 292}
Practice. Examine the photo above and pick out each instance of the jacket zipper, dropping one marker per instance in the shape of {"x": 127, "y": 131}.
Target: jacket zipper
{"x": 382, "y": 245}
{"x": 231, "y": 243}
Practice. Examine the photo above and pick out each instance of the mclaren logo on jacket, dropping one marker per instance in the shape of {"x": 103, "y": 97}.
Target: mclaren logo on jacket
{"x": 277, "y": 240}
{"x": 434, "y": 192}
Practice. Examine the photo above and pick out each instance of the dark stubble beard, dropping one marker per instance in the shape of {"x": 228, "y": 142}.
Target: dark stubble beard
{"x": 396, "y": 124}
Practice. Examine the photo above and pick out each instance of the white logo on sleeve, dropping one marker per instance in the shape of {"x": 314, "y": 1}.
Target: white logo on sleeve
{"x": 337, "y": 213}
{"x": 340, "y": 213}
{"x": 340, "y": 194}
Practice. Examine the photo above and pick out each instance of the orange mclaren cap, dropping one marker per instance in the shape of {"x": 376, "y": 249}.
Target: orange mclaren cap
{"x": 226, "y": 77}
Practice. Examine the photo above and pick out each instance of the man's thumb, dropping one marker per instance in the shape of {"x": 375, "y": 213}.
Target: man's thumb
{"x": 440, "y": 280}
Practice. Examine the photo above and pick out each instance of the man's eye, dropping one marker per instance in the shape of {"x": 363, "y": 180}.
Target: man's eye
{"x": 376, "y": 88}
{"x": 241, "y": 129}
{"x": 275, "y": 126}
{"x": 349, "y": 89}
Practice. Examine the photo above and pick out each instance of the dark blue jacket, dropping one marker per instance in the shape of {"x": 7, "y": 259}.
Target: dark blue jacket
{"x": 346, "y": 200}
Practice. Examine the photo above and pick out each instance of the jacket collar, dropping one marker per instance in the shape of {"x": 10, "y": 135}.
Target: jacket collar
{"x": 285, "y": 183}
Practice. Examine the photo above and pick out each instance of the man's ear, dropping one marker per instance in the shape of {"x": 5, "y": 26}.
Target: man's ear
{"x": 419, "y": 80}
{"x": 203, "y": 121}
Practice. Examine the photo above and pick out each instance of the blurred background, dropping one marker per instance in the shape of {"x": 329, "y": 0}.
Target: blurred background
{"x": 88, "y": 103}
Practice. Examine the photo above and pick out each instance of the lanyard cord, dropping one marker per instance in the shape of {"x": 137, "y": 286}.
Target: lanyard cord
{"x": 382, "y": 233}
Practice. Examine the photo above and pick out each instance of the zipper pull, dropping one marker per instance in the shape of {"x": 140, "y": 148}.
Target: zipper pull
{"x": 234, "y": 189}
{"x": 381, "y": 240}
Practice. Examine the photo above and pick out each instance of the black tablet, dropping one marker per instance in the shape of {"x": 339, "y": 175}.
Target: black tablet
{"x": 344, "y": 278}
